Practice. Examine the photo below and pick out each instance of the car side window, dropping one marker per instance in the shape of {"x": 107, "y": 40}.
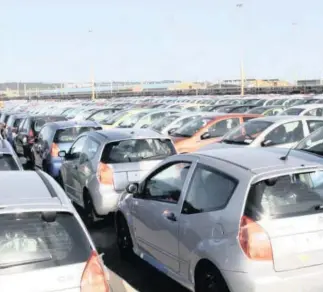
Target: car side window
{"x": 314, "y": 125}
{"x": 166, "y": 185}
{"x": 220, "y": 128}
{"x": 90, "y": 150}
{"x": 210, "y": 190}
{"x": 286, "y": 133}
{"x": 318, "y": 112}
{"x": 25, "y": 126}
{"x": 77, "y": 148}
{"x": 21, "y": 126}
{"x": 246, "y": 119}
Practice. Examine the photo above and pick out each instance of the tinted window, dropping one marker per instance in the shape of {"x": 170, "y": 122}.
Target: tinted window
{"x": 286, "y": 133}
{"x": 292, "y": 112}
{"x": 7, "y": 162}
{"x": 220, "y": 128}
{"x": 137, "y": 150}
{"x": 28, "y": 242}
{"x": 209, "y": 190}
{"x": 162, "y": 124}
{"x": 70, "y": 134}
{"x": 286, "y": 196}
{"x": 191, "y": 128}
{"x": 314, "y": 125}
{"x": 166, "y": 185}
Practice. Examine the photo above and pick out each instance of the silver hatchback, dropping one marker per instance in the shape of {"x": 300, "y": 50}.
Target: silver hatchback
{"x": 236, "y": 219}
{"x": 44, "y": 245}
{"x": 100, "y": 164}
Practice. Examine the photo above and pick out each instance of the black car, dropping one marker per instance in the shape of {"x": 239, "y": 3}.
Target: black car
{"x": 28, "y": 130}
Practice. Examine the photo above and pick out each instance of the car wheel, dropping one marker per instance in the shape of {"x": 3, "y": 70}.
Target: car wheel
{"x": 89, "y": 213}
{"x": 124, "y": 241}
{"x": 209, "y": 279}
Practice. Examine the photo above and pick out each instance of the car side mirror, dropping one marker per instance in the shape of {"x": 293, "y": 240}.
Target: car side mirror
{"x": 132, "y": 188}
{"x": 205, "y": 136}
{"x": 62, "y": 154}
{"x": 267, "y": 143}
{"x": 171, "y": 131}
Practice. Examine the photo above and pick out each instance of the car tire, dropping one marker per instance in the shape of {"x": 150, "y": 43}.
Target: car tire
{"x": 89, "y": 212}
{"x": 124, "y": 241}
{"x": 209, "y": 279}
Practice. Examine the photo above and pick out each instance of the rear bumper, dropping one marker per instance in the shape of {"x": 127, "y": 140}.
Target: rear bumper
{"x": 105, "y": 199}
{"x": 304, "y": 280}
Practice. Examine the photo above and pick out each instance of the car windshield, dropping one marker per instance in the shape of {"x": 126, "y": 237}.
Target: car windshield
{"x": 191, "y": 128}
{"x": 130, "y": 121}
{"x": 291, "y": 195}
{"x": 135, "y": 150}
{"x": 257, "y": 110}
{"x": 7, "y": 162}
{"x": 101, "y": 115}
{"x": 70, "y": 134}
{"x": 160, "y": 125}
{"x": 247, "y": 132}
{"x": 113, "y": 119}
{"x": 225, "y": 109}
{"x": 312, "y": 143}
{"x": 292, "y": 112}
{"x": 30, "y": 240}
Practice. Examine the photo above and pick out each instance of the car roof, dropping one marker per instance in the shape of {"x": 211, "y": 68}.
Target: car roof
{"x": 307, "y": 106}
{"x": 124, "y": 134}
{"x": 5, "y": 148}
{"x": 70, "y": 124}
{"x": 40, "y": 193}
{"x": 283, "y": 118}
{"x": 260, "y": 160}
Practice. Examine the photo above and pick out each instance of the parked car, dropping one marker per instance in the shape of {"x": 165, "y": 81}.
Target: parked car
{"x": 100, "y": 164}
{"x": 43, "y": 242}
{"x": 276, "y": 131}
{"x": 304, "y": 110}
{"x": 236, "y": 219}
{"x": 13, "y": 123}
{"x": 266, "y": 110}
{"x": 28, "y": 131}
{"x": 9, "y": 159}
{"x": 54, "y": 137}
{"x": 209, "y": 129}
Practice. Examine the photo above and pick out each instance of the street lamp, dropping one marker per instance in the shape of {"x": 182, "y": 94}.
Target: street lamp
{"x": 90, "y": 31}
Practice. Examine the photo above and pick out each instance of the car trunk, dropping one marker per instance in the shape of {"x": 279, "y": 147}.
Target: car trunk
{"x": 64, "y": 278}
{"x": 296, "y": 242}
{"x": 125, "y": 173}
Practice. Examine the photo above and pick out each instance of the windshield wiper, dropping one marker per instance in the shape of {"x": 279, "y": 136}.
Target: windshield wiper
{"x": 227, "y": 141}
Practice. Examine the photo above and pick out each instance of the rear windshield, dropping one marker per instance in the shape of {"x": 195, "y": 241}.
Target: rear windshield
{"x": 28, "y": 242}
{"x": 292, "y": 112}
{"x": 7, "y": 162}
{"x": 137, "y": 150}
{"x": 257, "y": 110}
{"x": 286, "y": 196}
{"x": 69, "y": 135}
{"x": 39, "y": 123}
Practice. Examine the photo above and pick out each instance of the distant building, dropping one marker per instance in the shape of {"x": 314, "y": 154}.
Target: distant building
{"x": 310, "y": 82}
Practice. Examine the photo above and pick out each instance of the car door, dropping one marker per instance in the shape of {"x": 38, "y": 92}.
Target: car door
{"x": 85, "y": 167}
{"x": 69, "y": 169}
{"x": 208, "y": 194}
{"x": 217, "y": 130}
{"x": 286, "y": 135}
{"x": 156, "y": 210}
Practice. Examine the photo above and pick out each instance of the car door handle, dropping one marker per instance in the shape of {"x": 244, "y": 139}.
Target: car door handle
{"x": 171, "y": 217}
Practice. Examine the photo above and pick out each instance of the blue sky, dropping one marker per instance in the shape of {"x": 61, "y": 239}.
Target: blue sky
{"x": 154, "y": 40}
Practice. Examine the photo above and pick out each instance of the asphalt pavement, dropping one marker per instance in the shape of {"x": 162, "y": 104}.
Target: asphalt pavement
{"x": 127, "y": 277}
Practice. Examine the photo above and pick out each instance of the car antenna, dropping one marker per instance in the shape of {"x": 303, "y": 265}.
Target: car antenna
{"x": 284, "y": 158}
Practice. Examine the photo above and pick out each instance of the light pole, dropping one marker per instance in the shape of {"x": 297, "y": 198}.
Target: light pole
{"x": 242, "y": 75}
{"x": 92, "y": 69}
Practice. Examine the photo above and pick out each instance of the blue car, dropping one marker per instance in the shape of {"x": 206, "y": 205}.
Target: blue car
{"x": 55, "y": 137}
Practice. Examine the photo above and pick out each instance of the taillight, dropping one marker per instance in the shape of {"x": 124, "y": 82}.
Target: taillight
{"x": 254, "y": 240}
{"x": 94, "y": 277}
{"x": 54, "y": 150}
{"x": 105, "y": 174}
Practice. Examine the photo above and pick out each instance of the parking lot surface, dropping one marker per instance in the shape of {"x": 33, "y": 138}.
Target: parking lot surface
{"x": 128, "y": 277}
